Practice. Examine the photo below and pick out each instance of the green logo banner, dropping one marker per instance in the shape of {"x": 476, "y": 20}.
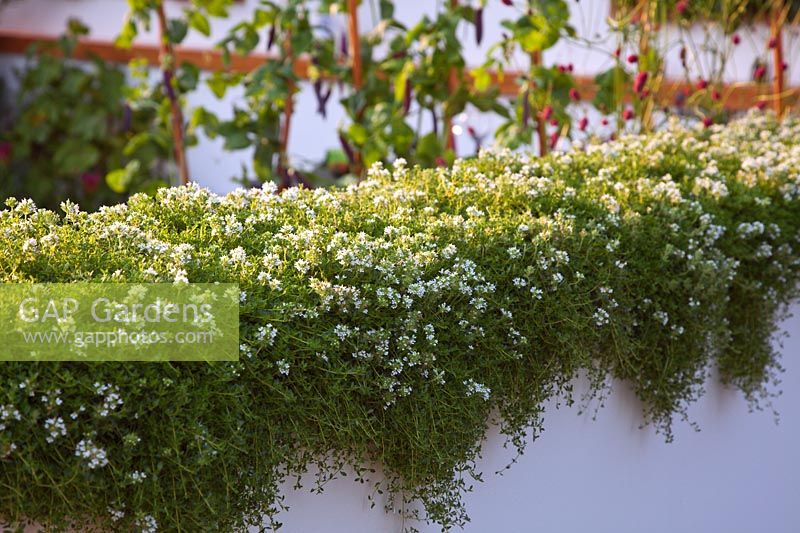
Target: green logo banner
{"x": 119, "y": 322}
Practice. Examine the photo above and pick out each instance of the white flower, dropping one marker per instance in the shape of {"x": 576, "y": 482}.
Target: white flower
{"x": 601, "y": 317}
{"x": 283, "y": 366}
{"x": 302, "y": 266}
{"x": 268, "y": 332}
{"x": 55, "y": 428}
{"x": 147, "y": 524}
{"x": 342, "y": 331}
{"x": 180, "y": 277}
{"x": 30, "y": 245}
{"x": 93, "y": 456}
{"x": 473, "y": 388}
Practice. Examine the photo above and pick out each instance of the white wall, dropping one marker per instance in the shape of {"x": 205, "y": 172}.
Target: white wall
{"x": 739, "y": 474}
{"x": 311, "y": 136}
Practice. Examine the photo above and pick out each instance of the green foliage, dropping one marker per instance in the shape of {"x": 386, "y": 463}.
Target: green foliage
{"x": 384, "y": 323}
{"x": 75, "y": 123}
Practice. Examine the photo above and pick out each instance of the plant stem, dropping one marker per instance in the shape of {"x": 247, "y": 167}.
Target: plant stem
{"x": 777, "y": 57}
{"x": 536, "y": 59}
{"x": 167, "y": 58}
{"x": 288, "y": 110}
{"x": 355, "y": 57}
{"x": 452, "y": 85}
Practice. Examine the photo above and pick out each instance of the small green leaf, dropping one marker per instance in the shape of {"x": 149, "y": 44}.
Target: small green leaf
{"x": 75, "y": 156}
{"x": 119, "y": 180}
{"x": 199, "y": 22}
{"x": 358, "y": 134}
{"x": 218, "y": 84}
{"x": 237, "y": 140}
{"x": 176, "y": 30}
{"x": 401, "y": 79}
{"x": 126, "y": 35}
{"x": 483, "y": 79}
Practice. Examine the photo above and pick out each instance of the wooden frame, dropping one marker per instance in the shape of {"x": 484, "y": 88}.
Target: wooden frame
{"x": 738, "y": 96}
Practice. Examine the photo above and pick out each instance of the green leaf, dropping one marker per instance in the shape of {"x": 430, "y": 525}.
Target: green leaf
{"x": 483, "y": 79}
{"x": 126, "y": 35}
{"x": 207, "y": 120}
{"x": 188, "y": 77}
{"x": 358, "y": 134}
{"x": 218, "y": 83}
{"x": 387, "y": 9}
{"x": 119, "y": 180}
{"x": 176, "y": 30}
{"x": 401, "y": 79}
{"x": 611, "y": 88}
{"x": 199, "y": 22}
{"x": 429, "y": 148}
{"x": 237, "y": 140}
{"x": 89, "y": 124}
{"x": 75, "y": 156}
{"x": 150, "y": 187}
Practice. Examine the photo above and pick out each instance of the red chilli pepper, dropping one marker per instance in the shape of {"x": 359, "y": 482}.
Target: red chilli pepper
{"x": 553, "y": 139}
{"x": 90, "y": 181}
{"x": 5, "y": 151}
{"x": 639, "y": 82}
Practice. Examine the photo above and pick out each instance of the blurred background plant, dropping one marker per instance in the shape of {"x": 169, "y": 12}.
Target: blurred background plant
{"x": 83, "y": 131}
{"x": 93, "y": 134}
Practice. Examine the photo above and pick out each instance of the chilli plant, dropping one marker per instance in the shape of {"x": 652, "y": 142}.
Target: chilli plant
{"x": 83, "y": 131}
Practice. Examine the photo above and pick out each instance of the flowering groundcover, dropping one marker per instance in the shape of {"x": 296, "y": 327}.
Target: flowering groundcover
{"x": 389, "y": 322}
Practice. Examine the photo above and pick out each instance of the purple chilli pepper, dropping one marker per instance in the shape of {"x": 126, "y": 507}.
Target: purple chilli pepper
{"x": 271, "y": 37}
{"x": 435, "y": 123}
{"x": 318, "y": 95}
{"x": 348, "y": 150}
{"x": 407, "y": 98}
{"x": 127, "y": 118}
{"x": 479, "y": 25}
{"x": 343, "y": 48}
{"x": 322, "y": 98}
{"x": 526, "y": 110}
